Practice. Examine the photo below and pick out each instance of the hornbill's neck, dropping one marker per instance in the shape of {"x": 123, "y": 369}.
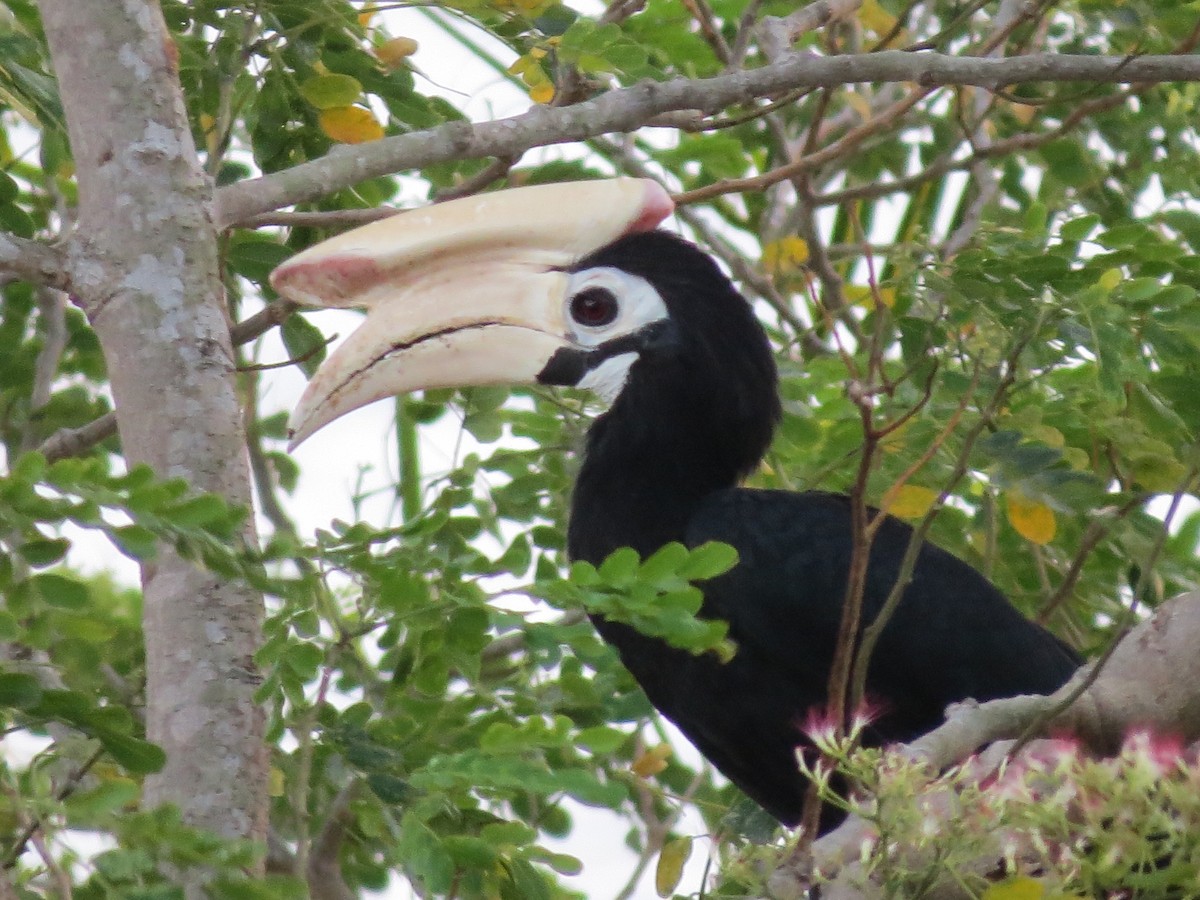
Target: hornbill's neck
{"x": 696, "y": 414}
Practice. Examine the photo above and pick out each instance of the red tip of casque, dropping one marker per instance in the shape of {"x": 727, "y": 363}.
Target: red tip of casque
{"x": 656, "y": 206}
{"x": 331, "y": 281}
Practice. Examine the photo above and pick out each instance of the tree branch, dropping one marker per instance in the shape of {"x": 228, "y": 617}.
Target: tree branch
{"x": 34, "y": 261}
{"x": 324, "y": 869}
{"x": 629, "y": 108}
{"x": 73, "y": 441}
{"x": 1148, "y": 683}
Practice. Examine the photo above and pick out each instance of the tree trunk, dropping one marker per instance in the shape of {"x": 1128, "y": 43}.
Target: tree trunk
{"x": 145, "y": 268}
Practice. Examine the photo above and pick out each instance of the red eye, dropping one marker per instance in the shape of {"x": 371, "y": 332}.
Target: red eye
{"x": 594, "y": 307}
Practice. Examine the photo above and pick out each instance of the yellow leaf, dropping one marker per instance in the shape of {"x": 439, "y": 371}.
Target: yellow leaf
{"x": 543, "y": 92}
{"x": 1016, "y": 889}
{"x": 1032, "y": 520}
{"x": 652, "y": 761}
{"x": 1022, "y": 112}
{"x": 211, "y": 139}
{"x": 785, "y": 255}
{"x": 875, "y": 17}
{"x": 862, "y": 295}
{"x": 350, "y": 125}
{"x": 1110, "y": 279}
{"x": 1048, "y": 435}
{"x": 909, "y": 501}
{"x": 860, "y": 104}
{"x": 895, "y": 440}
{"x": 275, "y": 784}
{"x": 364, "y": 17}
{"x": 392, "y": 53}
{"x": 670, "y": 865}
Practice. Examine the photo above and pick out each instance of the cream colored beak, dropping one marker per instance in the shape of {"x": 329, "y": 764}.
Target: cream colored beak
{"x": 469, "y": 292}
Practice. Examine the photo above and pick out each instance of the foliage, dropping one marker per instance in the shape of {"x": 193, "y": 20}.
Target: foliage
{"x": 1025, "y": 341}
{"x": 1057, "y": 821}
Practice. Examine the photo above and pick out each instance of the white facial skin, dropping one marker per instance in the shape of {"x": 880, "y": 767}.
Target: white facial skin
{"x": 621, "y": 304}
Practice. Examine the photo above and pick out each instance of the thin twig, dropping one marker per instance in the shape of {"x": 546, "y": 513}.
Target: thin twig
{"x": 1092, "y": 535}
{"x": 66, "y": 790}
{"x": 334, "y": 218}
{"x": 52, "y": 309}
{"x": 810, "y": 161}
{"x": 324, "y": 871}
{"x": 477, "y": 182}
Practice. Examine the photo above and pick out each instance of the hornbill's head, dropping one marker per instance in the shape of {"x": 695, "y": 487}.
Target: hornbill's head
{"x": 563, "y": 284}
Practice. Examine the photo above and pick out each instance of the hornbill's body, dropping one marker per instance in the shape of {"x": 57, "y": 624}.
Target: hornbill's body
{"x": 595, "y": 299}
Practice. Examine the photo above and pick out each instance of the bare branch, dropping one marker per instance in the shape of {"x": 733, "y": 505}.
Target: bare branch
{"x": 629, "y": 108}
{"x": 334, "y": 218}
{"x": 777, "y": 34}
{"x": 324, "y": 870}
{"x": 35, "y": 261}
{"x": 52, "y": 307}
{"x": 74, "y": 441}
{"x": 478, "y": 182}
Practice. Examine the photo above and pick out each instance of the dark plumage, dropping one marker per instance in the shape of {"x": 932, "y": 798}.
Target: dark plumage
{"x": 696, "y": 415}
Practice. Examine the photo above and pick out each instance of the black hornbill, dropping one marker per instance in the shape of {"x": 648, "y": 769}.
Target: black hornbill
{"x": 569, "y": 284}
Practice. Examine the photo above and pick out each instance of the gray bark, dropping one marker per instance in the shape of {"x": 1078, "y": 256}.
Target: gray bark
{"x": 144, "y": 265}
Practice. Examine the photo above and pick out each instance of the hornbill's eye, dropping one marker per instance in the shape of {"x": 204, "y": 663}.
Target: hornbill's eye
{"x": 595, "y": 307}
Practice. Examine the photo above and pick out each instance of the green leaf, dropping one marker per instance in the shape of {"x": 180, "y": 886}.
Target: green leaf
{"x": 1079, "y": 228}
{"x": 44, "y": 551}
{"x": 527, "y": 883}
{"x": 57, "y": 590}
{"x": 304, "y": 659}
{"x": 304, "y": 342}
{"x": 29, "y": 468}
{"x": 329, "y": 91}
{"x": 425, "y": 856}
{"x": 620, "y": 567}
{"x": 708, "y": 561}
{"x": 255, "y": 256}
{"x": 390, "y": 789}
{"x": 19, "y": 690}
{"x": 471, "y": 852}
{"x": 601, "y": 738}
{"x": 664, "y": 563}
{"x": 136, "y": 541}
{"x": 197, "y": 511}
{"x": 137, "y": 756}
{"x": 508, "y": 834}
{"x": 109, "y": 796}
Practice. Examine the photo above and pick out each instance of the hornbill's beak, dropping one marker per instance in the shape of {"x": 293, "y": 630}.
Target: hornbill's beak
{"x": 468, "y": 292}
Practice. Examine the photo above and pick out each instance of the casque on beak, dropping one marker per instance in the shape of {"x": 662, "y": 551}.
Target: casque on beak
{"x": 469, "y": 292}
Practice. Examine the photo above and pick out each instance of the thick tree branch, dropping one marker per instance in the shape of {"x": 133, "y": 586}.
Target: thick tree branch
{"x": 629, "y": 108}
{"x": 35, "y": 261}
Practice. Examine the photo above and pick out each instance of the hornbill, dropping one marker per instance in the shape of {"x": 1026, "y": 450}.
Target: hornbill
{"x": 571, "y": 284}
